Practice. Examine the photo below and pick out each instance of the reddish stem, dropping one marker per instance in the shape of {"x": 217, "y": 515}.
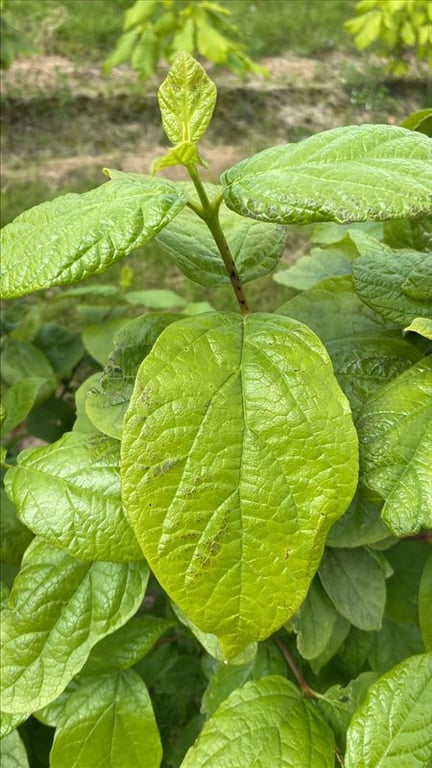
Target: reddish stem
{"x": 308, "y": 692}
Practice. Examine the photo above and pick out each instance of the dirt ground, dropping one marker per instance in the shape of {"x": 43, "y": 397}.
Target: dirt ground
{"x": 62, "y": 120}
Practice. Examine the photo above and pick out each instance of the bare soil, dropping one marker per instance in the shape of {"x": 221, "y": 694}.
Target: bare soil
{"x": 62, "y": 120}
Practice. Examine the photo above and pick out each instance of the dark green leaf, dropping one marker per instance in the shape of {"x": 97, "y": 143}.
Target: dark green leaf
{"x": 360, "y": 525}
{"x": 393, "y": 643}
{"x": 315, "y": 623}
{"x": 346, "y": 174}
{"x": 425, "y": 604}
{"x": 397, "y": 284}
{"x": 14, "y": 536}
{"x": 256, "y": 247}
{"x": 355, "y": 582}
{"x": 107, "y": 401}
{"x": 75, "y": 236}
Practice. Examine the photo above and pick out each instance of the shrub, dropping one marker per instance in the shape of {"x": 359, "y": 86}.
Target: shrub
{"x": 204, "y": 575}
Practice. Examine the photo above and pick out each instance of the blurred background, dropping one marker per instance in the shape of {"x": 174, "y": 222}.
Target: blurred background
{"x": 80, "y": 79}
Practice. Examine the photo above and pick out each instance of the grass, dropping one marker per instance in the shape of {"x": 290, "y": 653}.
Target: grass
{"x": 88, "y": 29}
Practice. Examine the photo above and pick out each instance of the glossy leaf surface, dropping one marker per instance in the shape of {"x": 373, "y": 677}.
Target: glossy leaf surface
{"x": 256, "y": 247}
{"x": 75, "y": 236}
{"x": 108, "y": 721}
{"x": 346, "y": 174}
{"x": 266, "y": 723}
{"x": 186, "y": 99}
{"x": 393, "y": 726}
{"x": 59, "y": 608}
{"x": 233, "y": 472}
{"x": 395, "y": 430}
{"x": 69, "y": 494}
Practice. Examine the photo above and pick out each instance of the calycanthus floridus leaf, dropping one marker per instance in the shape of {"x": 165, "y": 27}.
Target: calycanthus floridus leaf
{"x": 69, "y": 494}
{"x": 78, "y": 235}
{"x": 393, "y": 725}
{"x": 59, "y": 608}
{"x": 395, "y": 432}
{"x": 108, "y": 721}
{"x": 233, "y": 471}
{"x": 256, "y": 247}
{"x": 107, "y": 401}
{"x": 186, "y": 99}
{"x": 266, "y": 722}
{"x": 345, "y": 174}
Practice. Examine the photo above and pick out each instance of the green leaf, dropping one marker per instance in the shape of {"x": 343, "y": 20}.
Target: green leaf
{"x": 20, "y": 398}
{"x": 109, "y": 722}
{"x": 14, "y": 536}
{"x": 108, "y": 399}
{"x": 256, "y": 247}
{"x": 81, "y": 472}
{"x": 186, "y": 99}
{"x": 232, "y": 472}
{"x": 419, "y": 121}
{"x": 185, "y": 153}
{"x": 75, "y": 236}
{"x": 360, "y": 525}
{"x": 393, "y": 643}
{"x": 415, "y": 234}
{"x": 339, "y": 703}
{"x": 59, "y": 608}
{"x": 266, "y": 722}
{"x": 211, "y": 643}
{"x": 228, "y": 677}
{"x": 13, "y": 751}
{"x": 20, "y": 360}
{"x": 425, "y": 604}
{"x": 407, "y": 559}
{"x": 318, "y": 265}
{"x": 346, "y": 174}
{"x": 99, "y": 338}
{"x": 422, "y": 326}
{"x": 359, "y": 341}
{"x": 339, "y": 634}
{"x": 127, "y": 645}
{"x": 9, "y": 723}
{"x": 82, "y": 422}
{"x": 393, "y": 726}
{"x": 395, "y": 431}
{"x": 397, "y": 284}
{"x": 315, "y": 622}
{"x": 62, "y": 348}
{"x": 355, "y": 582}
{"x": 157, "y": 299}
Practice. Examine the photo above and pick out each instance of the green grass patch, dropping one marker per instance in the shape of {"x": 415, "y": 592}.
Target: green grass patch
{"x": 88, "y": 29}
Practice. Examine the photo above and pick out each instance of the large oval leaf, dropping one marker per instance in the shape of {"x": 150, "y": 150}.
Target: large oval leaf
{"x": 108, "y": 721}
{"x": 393, "y": 726}
{"x": 233, "y": 471}
{"x": 346, "y": 174}
{"x": 59, "y": 608}
{"x": 395, "y": 430}
{"x": 75, "y": 236}
{"x": 69, "y": 494}
{"x": 265, "y": 723}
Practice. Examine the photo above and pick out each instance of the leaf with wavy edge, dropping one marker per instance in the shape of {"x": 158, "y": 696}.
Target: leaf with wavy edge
{"x": 76, "y": 236}
{"x": 233, "y": 472}
{"x": 346, "y": 174}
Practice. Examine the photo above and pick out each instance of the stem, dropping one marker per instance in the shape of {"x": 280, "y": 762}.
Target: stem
{"x": 210, "y": 214}
{"x": 308, "y": 692}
